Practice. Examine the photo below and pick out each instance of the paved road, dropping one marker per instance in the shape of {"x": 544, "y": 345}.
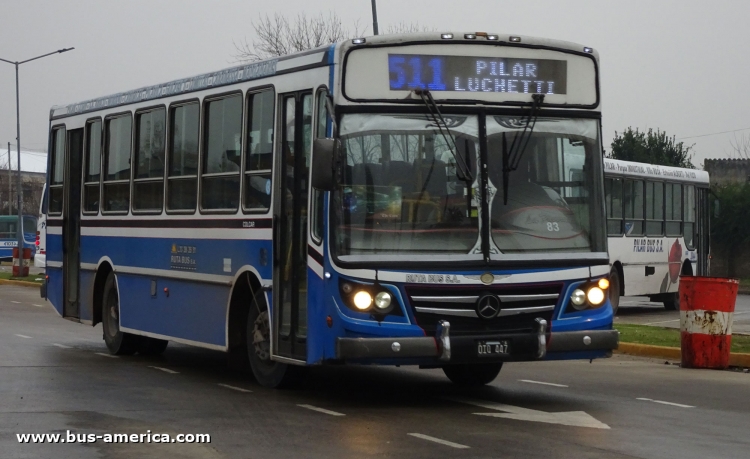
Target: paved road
{"x": 55, "y": 376}
{"x": 638, "y": 310}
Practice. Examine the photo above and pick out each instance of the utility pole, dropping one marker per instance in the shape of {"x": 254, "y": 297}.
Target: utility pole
{"x": 10, "y": 182}
{"x": 374, "y": 18}
{"x": 19, "y": 192}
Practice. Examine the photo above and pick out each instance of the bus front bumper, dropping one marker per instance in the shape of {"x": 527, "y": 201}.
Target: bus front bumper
{"x": 466, "y": 349}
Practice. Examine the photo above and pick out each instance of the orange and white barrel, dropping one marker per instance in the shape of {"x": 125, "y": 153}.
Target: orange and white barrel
{"x": 706, "y": 315}
{"x": 21, "y": 267}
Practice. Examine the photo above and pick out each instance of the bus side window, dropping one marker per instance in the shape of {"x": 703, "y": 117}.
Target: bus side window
{"x": 633, "y": 197}
{"x": 613, "y": 190}
{"x": 116, "y": 196}
{"x": 57, "y": 169}
{"x": 689, "y": 214}
{"x": 321, "y": 132}
{"x": 654, "y": 208}
{"x": 220, "y": 185}
{"x": 148, "y": 181}
{"x": 673, "y": 204}
{"x": 92, "y": 164}
{"x": 182, "y": 181}
{"x": 259, "y": 151}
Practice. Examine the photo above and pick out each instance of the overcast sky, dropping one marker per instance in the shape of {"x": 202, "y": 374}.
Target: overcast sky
{"x": 681, "y": 66}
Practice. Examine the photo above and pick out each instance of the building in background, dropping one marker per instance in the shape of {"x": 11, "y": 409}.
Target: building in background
{"x": 725, "y": 171}
{"x": 33, "y": 177}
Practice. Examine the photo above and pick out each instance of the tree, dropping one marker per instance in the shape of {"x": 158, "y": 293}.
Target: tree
{"x": 278, "y": 35}
{"x": 729, "y": 222}
{"x": 651, "y": 147}
{"x": 740, "y": 146}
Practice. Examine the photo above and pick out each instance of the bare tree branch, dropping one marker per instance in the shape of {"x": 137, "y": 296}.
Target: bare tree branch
{"x": 740, "y": 146}
{"x": 278, "y": 35}
{"x": 412, "y": 27}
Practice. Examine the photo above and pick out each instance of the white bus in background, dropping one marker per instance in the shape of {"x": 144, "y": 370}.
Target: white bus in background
{"x": 658, "y": 228}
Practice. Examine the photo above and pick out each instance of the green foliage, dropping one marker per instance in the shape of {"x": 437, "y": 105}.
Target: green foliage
{"x": 730, "y": 225}
{"x": 651, "y": 147}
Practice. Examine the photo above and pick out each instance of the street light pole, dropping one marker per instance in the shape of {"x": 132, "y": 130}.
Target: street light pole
{"x": 374, "y": 18}
{"x": 19, "y": 192}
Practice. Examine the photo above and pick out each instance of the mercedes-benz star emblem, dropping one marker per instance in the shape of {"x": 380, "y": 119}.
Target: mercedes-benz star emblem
{"x": 488, "y": 306}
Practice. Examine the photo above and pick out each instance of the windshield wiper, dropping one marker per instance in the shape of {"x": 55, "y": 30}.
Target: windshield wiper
{"x": 512, "y": 156}
{"x": 463, "y": 172}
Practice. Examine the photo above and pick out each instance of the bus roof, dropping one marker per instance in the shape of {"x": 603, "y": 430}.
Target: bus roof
{"x": 317, "y": 57}
{"x": 615, "y": 167}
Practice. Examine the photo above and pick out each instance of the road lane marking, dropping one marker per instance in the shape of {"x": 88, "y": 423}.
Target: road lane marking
{"x": 542, "y": 383}
{"x": 234, "y": 388}
{"x": 106, "y": 355}
{"x": 15, "y": 302}
{"x": 438, "y": 440}
{"x": 37, "y": 305}
{"x": 23, "y": 336}
{"x": 321, "y": 410}
{"x": 165, "y": 370}
{"x": 665, "y": 403}
{"x": 566, "y": 418}
{"x": 61, "y": 346}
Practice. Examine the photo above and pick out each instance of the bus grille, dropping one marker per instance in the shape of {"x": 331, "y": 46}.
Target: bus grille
{"x": 520, "y": 306}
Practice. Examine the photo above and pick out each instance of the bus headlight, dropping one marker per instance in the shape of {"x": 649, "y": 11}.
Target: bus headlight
{"x": 383, "y": 301}
{"x": 578, "y": 299}
{"x": 595, "y": 296}
{"x": 362, "y": 300}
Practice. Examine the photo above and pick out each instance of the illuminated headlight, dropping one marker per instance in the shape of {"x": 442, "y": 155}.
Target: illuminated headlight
{"x": 603, "y": 283}
{"x": 362, "y": 300}
{"x": 358, "y": 41}
{"x": 586, "y": 49}
{"x": 578, "y": 298}
{"x": 595, "y": 296}
{"x": 383, "y": 300}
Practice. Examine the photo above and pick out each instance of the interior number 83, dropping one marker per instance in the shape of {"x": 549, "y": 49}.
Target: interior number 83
{"x": 553, "y": 226}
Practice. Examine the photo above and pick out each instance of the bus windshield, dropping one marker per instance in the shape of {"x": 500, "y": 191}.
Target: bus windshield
{"x": 552, "y": 203}
{"x": 400, "y": 192}
{"x": 9, "y": 224}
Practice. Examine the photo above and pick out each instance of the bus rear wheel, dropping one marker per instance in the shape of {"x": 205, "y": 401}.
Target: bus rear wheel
{"x": 614, "y": 289}
{"x": 472, "y": 374}
{"x": 267, "y": 372}
{"x": 672, "y": 301}
{"x": 151, "y": 346}
{"x": 118, "y": 342}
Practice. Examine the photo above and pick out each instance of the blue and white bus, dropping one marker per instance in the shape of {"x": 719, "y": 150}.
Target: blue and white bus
{"x": 9, "y": 234}
{"x": 432, "y": 199}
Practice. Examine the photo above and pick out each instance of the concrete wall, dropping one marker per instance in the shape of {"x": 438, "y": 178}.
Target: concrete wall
{"x": 723, "y": 171}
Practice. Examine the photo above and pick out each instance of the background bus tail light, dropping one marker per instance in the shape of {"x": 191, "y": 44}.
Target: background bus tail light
{"x": 37, "y": 239}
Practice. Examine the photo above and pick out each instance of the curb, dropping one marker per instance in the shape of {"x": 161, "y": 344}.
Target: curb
{"x": 20, "y": 283}
{"x": 663, "y": 352}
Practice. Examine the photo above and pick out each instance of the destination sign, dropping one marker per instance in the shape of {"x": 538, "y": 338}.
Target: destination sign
{"x": 477, "y": 74}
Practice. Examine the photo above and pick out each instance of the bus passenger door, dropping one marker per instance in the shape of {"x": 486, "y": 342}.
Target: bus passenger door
{"x": 71, "y": 230}
{"x": 290, "y": 230}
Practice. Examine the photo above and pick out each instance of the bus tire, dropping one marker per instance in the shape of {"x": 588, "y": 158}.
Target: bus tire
{"x": 267, "y": 372}
{"x": 672, "y": 301}
{"x": 477, "y": 374}
{"x": 614, "y": 289}
{"x": 118, "y": 342}
{"x": 151, "y": 346}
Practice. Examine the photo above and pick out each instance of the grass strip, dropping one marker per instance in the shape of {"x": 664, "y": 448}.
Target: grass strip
{"x": 660, "y": 336}
{"x": 31, "y": 278}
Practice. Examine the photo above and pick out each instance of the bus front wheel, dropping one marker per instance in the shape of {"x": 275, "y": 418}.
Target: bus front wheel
{"x": 672, "y": 301}
{"x": 267, "y": 372}
{"x": 477, "y": 374}
{"x": 118, "y": 342}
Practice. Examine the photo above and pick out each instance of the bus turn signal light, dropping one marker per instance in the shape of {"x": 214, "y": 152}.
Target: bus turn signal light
{"x": 603, "y": 283}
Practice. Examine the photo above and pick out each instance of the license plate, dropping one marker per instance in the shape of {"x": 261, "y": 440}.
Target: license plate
{"x": 490, "y": 348}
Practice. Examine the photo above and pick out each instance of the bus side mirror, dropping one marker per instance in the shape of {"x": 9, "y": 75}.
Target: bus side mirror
{"x": 325, "y": 158}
